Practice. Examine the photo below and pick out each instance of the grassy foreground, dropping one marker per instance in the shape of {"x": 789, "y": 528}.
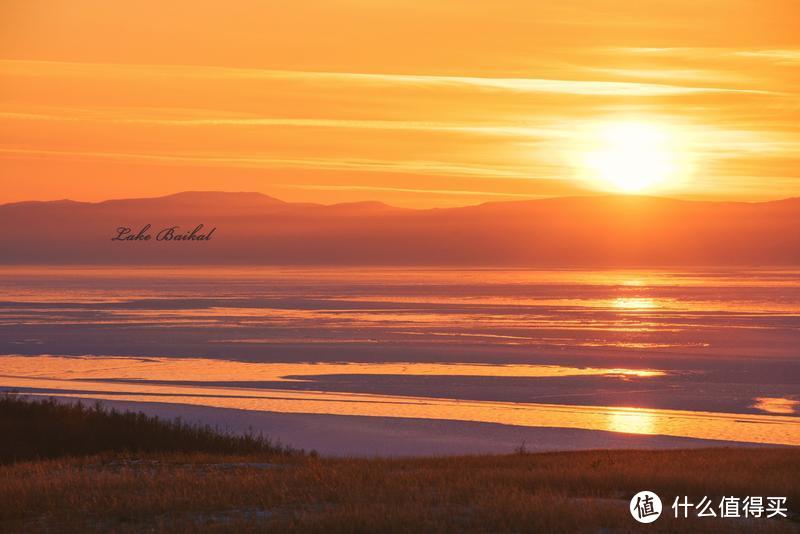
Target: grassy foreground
{"x": 271, "y": 490}
{"x": 38, "y": 429}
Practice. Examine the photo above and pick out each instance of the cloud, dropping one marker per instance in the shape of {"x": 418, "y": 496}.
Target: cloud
{"x": 516, "y": 85}
{"x": 778, "y": 55}
{"x": 789, "y": 56}
{"x": 107, "y": 115}
{"x": 429, "y": 167}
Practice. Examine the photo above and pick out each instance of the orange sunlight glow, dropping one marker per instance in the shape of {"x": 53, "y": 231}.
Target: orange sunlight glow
{"x": 400, "y": 102}
{"x": 634, "y": 157}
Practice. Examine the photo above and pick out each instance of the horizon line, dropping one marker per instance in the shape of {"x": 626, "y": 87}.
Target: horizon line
{"x": 597, "y": 195}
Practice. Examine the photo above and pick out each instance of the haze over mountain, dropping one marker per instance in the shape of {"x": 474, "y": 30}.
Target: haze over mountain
{"x": 251, "y": 228}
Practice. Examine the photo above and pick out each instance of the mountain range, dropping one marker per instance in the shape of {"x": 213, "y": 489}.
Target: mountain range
{"x": 252, "y": 228}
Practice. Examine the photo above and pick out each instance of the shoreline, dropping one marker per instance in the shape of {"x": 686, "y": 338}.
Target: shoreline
{"x": 395, "y": 437}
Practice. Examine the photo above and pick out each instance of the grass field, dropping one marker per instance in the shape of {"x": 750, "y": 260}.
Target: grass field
{"x": 277, "y": 490}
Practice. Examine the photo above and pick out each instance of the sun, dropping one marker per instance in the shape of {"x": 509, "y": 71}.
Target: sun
{"x": 632, "y": 156}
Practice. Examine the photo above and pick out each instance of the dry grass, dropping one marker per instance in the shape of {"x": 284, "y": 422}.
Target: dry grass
{"x": 564, "y": 492}
{"x": 162, "y": 476}
{"x": 46, "y": 428}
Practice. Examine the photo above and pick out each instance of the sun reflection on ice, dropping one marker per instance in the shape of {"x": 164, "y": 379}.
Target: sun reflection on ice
{"x": 631, "y": 421}
{"x": 635, "y": 303}
{"x": 633, "y": 283}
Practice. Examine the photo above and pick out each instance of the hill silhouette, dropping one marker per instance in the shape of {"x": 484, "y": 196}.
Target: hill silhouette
{"x": 252, "y": 228}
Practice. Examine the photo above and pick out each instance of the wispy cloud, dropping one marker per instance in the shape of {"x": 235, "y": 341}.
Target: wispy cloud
{"x": 779, "y": 55}
{"x": 787, "y": 56}
{"x": 205, "y": 120}
{"x": 424, "y": 167}
{"x": 518, "y": 85}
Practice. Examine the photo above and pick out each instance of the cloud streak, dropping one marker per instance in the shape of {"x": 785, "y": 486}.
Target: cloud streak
{"x": 517, "y": 85}
{"x": 263, "y": 161}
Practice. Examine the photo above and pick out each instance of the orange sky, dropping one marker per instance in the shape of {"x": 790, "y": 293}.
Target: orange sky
{"x": 441, "y": 102}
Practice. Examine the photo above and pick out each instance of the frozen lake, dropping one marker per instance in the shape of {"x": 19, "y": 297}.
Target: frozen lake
{"x": 470, "y": 360}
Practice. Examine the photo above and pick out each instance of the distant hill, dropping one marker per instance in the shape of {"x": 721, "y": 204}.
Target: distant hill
{"x": 597, "y": 231}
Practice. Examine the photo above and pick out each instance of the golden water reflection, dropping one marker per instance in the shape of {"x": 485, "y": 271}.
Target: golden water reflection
{"x": 209, "y": 370}
{"x": 85, "y": 378}
{"x": 777, "y": 405}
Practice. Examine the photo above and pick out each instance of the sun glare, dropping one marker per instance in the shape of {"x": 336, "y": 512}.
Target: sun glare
{"x": 632, "y": 157}
{"x": 632, "y": 421}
